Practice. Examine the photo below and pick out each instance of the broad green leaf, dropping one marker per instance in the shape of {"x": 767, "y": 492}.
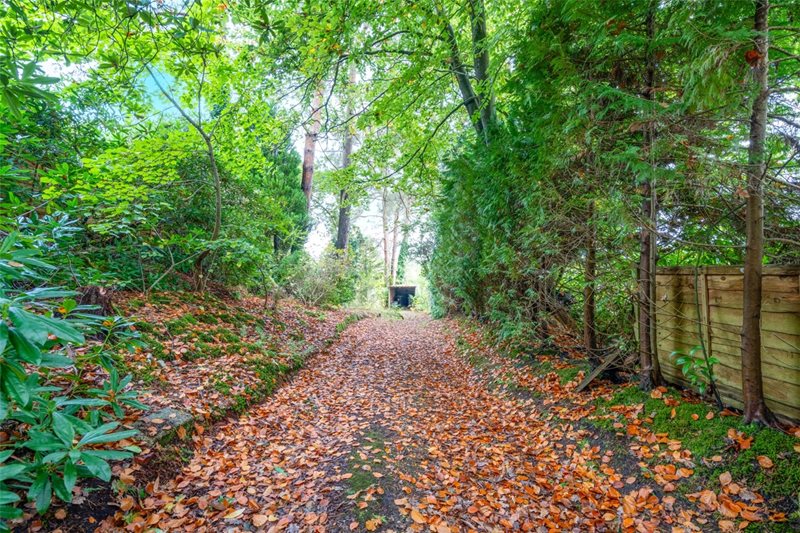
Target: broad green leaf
{"x": 98, "y": 467}
{"x": 63, "y": 428}
{"x": 26, "y": 349}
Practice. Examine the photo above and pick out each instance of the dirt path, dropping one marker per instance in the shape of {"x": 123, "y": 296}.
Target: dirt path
{"x": 390, "y": 429}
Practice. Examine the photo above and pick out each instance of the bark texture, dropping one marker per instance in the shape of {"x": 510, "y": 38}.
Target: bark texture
{"x": 310, "y": 146}
{"x": 755, "y": 407}
{"x": 650, "y": 372}
{"x": 589, "y": 328}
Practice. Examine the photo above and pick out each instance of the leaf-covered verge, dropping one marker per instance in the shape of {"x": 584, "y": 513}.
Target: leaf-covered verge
{"x": 711, "y": 469}
{"x": 201, "y": 359}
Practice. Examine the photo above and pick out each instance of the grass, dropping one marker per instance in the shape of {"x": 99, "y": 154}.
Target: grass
{"x": 207, "y": 318}
{"x": 565, "y": 375}
{"x": 361, "y": 478}
{"x": 706, "y": 438}
{"x": 222, "y": 384}
{"x": 348, "y": 320}
{"x": 204, "y": 350}
{"x": 180, "y": 325}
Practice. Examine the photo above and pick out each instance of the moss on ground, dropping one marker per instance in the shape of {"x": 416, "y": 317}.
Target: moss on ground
{"x": 706, "y": 438}
{"x": 361, "y": 466}
{"x": 348, "y": 320}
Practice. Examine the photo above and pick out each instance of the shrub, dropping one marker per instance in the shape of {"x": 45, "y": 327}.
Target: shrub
{"x": 55, "y": 437}
{"x": 327, "y": 281}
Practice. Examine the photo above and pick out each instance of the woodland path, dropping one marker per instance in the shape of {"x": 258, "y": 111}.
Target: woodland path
{"x": 391, "y": 429}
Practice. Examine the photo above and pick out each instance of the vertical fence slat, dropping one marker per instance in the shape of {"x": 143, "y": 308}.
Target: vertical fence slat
{"x": 694, "y": 303}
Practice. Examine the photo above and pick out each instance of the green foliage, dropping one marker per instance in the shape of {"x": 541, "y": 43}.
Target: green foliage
{"x": 582, "y": 132}
{"x": 708, "y": 437}
{"x": 58, "y": 436}
{"x": 698, "y": 370}
{"x": 327, "y": 281}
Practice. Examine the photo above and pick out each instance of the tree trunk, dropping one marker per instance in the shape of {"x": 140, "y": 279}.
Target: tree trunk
{"x": 100, "y": 297}
{"x": 387, "y": 281}
{"x": 310, "y": 146}
{"x": 385, "y": 222}
{"x": 199, "y": 274}
{"x": 343, "y": 226}
{"x": 755, "y": 407}
{"x": 395, "y": 246}
{"x": 480, "y": 53}
{"x": 469, "y": 97}
{"x": 199, "y": 277}
{"x": 650, "y": 373}
{"x": 589, "y": 328}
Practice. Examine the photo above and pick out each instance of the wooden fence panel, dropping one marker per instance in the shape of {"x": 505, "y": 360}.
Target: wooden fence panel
{"x": 703, "y": 307}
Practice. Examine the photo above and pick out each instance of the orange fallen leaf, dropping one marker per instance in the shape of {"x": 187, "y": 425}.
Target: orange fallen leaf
{"x": 729, "y": 509}
{"x": 259, "y": 519}
{"x": 127, "y": 503}
{"x": 417, "y": 517}
{"x": 765, "y": 462}
{"x": 725, "y": 478}
{"x": 372, "y": 525}
{"x": 234, "y": 514}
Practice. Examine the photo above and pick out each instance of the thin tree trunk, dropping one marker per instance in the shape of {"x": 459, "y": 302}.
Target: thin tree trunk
{"x": 386, "y": 261}
{"x": 404, "y": 232}
{"x": 650, "y": 373}
{"x": 385, "y": 221}
{"x": 470, "y": 99}
{"x": 199, "y": 276}
{"x": 199, "y": 279}
{"x": 310, "y": 146}
{"x": 480, "y": 53}
{"x": 343, "y": 226}
{"x": 589, "y": 327}
{"x": 395, "y": 245}
{"x": 755, "y": 407}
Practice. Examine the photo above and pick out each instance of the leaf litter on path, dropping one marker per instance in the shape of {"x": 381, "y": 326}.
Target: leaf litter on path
{"x": 454, "y": 455}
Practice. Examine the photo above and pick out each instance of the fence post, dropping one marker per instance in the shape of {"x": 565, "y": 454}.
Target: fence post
{"x": 705, "y": 305}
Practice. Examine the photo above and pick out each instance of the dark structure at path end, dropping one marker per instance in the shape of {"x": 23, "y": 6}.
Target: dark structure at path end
{"x": 401, "y": 295}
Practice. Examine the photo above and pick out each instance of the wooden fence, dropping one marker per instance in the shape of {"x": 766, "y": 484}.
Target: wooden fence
{"x": 706, "y": 304}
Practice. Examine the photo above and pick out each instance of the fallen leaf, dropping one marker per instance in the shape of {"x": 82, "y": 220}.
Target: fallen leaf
{"x": 234, "y": 514}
